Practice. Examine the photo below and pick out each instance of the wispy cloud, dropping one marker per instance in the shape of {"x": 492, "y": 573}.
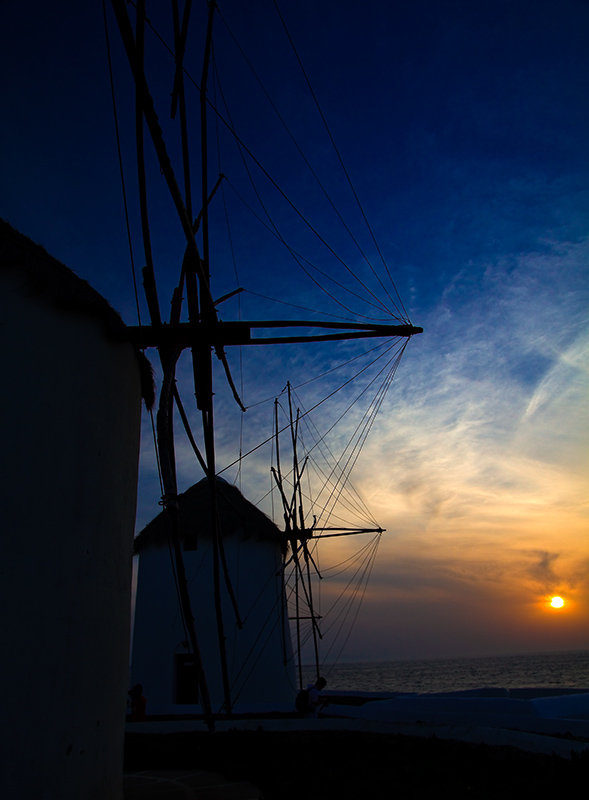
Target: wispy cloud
{"x": 479, "y": 469}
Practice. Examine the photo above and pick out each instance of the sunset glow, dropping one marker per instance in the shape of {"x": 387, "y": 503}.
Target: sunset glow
{"x": 467, "y": 147}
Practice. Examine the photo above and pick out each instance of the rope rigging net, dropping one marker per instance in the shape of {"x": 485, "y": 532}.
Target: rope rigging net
{"x": 328, "y": 494}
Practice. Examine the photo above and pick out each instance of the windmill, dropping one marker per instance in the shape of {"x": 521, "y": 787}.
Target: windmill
{"x": 204, "y": 332}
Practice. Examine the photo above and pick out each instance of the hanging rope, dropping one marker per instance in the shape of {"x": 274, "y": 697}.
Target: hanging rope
{"x": 336, "y": 150}
{"x": 296, "y": 144}
{"x": 309, "y": 411}
{"x": 299, "y": 259}
{"x": 400, "y": 315}
{"x": 120, "y": 157}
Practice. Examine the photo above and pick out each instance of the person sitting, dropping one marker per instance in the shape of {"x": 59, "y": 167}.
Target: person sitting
{"x": 309, "y": 702}
{"x": 138, "y": 704}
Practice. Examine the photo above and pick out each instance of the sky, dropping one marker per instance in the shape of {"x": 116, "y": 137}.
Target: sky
{"x": 463, "y": 128}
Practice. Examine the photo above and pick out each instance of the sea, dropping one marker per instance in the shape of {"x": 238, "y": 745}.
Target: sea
{"x": 559, "y": 670}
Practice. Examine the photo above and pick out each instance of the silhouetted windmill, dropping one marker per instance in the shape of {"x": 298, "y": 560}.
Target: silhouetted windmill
{"x": 204, "y": 332}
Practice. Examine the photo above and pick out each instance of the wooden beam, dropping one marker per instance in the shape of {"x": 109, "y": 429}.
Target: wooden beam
{"x": 188, "y": 334}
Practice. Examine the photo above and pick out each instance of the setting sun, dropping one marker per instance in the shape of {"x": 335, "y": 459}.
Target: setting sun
{"x": 557, "y": 602}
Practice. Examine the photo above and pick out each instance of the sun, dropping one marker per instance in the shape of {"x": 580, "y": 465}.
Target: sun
{"x": 557, "y": 602}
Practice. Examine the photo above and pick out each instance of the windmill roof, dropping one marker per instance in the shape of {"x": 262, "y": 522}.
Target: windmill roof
{"x": 236, "y": 515}
{"x": 48, "y": 279}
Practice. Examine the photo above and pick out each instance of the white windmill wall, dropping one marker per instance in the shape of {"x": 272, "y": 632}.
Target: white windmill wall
{"x": 71, "y": 402}
{"x": 256, "y": 654}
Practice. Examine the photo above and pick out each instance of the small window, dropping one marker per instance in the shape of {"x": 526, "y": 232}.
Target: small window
{"x": 186, "y": 678}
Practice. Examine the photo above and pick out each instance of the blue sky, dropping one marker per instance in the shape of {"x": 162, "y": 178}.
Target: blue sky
{"x": 464, "y": 129}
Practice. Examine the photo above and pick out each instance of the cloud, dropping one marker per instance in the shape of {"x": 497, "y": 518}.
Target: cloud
{"x": 476, "y": 462}
{"x": 478, "y": 469}
{"x": 542, "y": 569}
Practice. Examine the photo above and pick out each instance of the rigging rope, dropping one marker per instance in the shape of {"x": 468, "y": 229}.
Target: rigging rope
{"x": 132, "y": 260}
{"x": 116, "y": 121}
{"x": 341, "y": 566}
{"x": 316, "y": 405}
{"x": 299, "y": 259}
{"x": 300, "y": 151}
{"x": 233, "y": 258}
{"x": 329, "y": 371}
{"x": 241, "y": 144}
{"x": 358, "y": 510}
{"x": 273, "y": 228}
{"x": 340, "y": 472}
{"x": 403, "y": 313}
{"x": 138, "y": 309}
{"x": 361, "y": 586}
{"x": 356, "y": 504}
{"x": 313, "y": 310}
{"x": 364, "y": 427}
{"x": 337, "y": 610}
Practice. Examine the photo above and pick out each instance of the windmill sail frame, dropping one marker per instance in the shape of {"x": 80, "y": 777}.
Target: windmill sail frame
{"x": 204, "y": 332}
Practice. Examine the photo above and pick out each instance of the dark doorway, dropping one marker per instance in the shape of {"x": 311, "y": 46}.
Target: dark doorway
{"x": 186, "y": 679}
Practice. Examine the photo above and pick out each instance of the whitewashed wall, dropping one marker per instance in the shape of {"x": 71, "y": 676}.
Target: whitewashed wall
{"x": 255, "y": 654}
{"x": 70, "y": 418}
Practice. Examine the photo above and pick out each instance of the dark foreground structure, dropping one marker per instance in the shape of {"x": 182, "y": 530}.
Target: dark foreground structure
{"x": 344, "y": 764}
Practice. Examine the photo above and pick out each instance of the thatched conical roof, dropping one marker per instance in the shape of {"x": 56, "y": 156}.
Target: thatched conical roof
{"x": 236, "y": 516}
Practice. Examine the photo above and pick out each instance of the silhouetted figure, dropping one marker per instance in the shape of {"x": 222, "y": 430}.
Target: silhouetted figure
{"x": 138, "y": 704}
{"x": 308, "y": 701}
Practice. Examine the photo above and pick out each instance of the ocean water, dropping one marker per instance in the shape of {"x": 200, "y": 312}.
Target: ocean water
{"x": 551, "y": 670}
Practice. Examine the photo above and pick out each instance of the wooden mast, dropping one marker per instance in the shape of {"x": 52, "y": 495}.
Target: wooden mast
{"x": 298, "y": 534}
{"x": 168, "y": 356}
{"x": 203, "y": 361}
{"x": 204, "y": 331}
